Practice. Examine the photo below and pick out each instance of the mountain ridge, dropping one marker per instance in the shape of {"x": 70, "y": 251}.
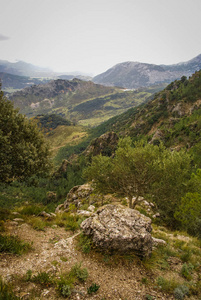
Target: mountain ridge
{"x": 133, "y": 75}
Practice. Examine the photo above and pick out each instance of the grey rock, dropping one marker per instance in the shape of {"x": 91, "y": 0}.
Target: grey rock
{"x": 118, "y": 228}
{"x": 84, "y": 213}
{"x": 78, "y": 193}
{"x": 58, "y": 209}
{"x": 157, "y": 242}
{"x": 18, "y": 220}
{"x": 91, "y": 208}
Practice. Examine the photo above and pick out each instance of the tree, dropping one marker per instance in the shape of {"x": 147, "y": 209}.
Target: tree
{"x": 23, "y": 150}
{"x": 189, "y": 213}
{"x": 189, "y": 210}
{"x": 166, "y": 192}
{"x": 130, "y": 173}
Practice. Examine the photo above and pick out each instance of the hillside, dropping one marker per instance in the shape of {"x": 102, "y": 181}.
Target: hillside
{"x": 12, "y": 83}
{"x": 22, "y": 68}
{"x": 79, "y": 101}
{"x": 173, "y": 116}
{"x": 135, "y": 74}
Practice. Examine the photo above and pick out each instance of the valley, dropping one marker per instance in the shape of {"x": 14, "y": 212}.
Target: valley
{"x": 76, "y": 149}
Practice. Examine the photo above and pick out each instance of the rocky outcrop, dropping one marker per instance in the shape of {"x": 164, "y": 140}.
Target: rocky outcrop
{"x": 77, "y": 194}
{"x": 105, "y": 144}
{"x": 114, "y": 227}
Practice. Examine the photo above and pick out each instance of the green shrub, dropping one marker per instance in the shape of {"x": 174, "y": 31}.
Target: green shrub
{"x": 186, "y": 270}
{"x": 166, "y": 285}
{"x": 2, "y": 226}
{"x": 12, "y": 244}
{"x": 6, "y": 292}
{"x": 4, "y": 214}
{"x": 65, "y": 290}
{"x": 79, "y": 273}
{"x": 37, "y": 223}
{"x": 180, "y": 292}
{"x": 43, "y": 278}
{"x": 31, "y": 210}
{"x": 84, "y": 243}
{"x": 93, "y": 288}
{"x": 65, "y": 285}
{"x": 72, "y": 225}
{"x": 28, "y": 275}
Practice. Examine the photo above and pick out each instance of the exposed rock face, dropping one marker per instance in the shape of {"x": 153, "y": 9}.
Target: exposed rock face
{"x": 118, "y": 228}
{"x": 105, "y": 144}
{"x": 77, "y": 193}
{"x": 133, "y": 75}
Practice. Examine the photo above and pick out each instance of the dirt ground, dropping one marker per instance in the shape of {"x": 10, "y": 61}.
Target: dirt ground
{"x": 55, "y": 251}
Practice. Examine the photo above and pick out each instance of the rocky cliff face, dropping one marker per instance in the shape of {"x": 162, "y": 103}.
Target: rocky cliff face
{"x": 133, "y": 75}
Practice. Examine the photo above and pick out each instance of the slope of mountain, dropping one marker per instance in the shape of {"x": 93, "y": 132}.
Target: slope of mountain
{"x": 77, "y": 100}
{"x": 11, "y": 83}
{"x": 135, "y": 74}
{"x": 22, "y": 68}
{"x": 173, "y": 116}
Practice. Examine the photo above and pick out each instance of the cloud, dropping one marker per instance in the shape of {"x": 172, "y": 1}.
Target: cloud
{"x": 3, "y": 37}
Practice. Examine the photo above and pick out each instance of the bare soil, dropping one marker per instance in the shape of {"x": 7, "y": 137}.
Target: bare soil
{"x": 55, "y": 251}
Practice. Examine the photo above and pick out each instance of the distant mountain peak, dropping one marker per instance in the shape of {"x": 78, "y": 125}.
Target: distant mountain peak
{"x": 136, "y": 74}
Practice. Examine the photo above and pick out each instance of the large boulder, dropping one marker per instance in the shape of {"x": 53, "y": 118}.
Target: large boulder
{"x": 115, "y": 227}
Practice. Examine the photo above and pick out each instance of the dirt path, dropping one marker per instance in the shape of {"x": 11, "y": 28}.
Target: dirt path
{"x": 55, "y": 251}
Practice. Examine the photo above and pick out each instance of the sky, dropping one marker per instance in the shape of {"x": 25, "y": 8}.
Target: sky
{"x": 91, "y": 36}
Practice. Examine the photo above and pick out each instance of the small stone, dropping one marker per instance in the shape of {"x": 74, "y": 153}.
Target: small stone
{"x": 18, "y": 220}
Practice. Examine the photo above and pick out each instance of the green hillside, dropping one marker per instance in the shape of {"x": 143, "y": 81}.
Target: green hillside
{"x": 79, "y": 101}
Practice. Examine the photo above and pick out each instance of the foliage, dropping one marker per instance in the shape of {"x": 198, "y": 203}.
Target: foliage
{"x": 130, "y": 173}
{"x": 84, "y": 243}
{"x": 66, "y": 281}
{"x": 142, "y": 170}
{"x": 12, "y": 244}
{"x": 79, "y": 273}
{"x": 180, "y": 292}
{"x": 6, "y": 292}
{"x": 167, "y": 285}
{"x": 189, "y": 211}
{"x": 186, "y": 271}
{"x": 93, "y": 288}
{"x": 175, "y": 170}
{"x": 42, "y": 278}
{"x": 50, "y": 122}
{"x": 23, "y": 151}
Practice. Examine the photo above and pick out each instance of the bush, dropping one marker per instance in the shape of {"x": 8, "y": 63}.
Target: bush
{"x": 93, "y": 288}
{"x": 12, "y": 244}
{"x": 180, "y": 292}
{"x": 80, "y": 273}
{"x": 37, "y": 223}
{"x": 43, "y": 278}
{"x": 84, "y": 243}
{"x": 6, "y": 292}
{"x": 166, "y": 285}
{"x": 186, "y": 270}
{"x": 31, "y": 210}
{"x": 65, "y": 285}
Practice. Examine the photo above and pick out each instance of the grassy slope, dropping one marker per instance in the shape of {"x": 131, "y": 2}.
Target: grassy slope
{"x": 65, "y": 135}
{"x": 88, "y": 104}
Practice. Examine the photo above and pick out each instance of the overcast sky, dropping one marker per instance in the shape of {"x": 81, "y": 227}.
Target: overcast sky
{"x": 93, "y": 35}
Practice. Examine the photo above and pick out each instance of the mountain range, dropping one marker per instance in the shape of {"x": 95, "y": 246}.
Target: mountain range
{"x": 130, "y": 75}
{"x": 133, "y": 75}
